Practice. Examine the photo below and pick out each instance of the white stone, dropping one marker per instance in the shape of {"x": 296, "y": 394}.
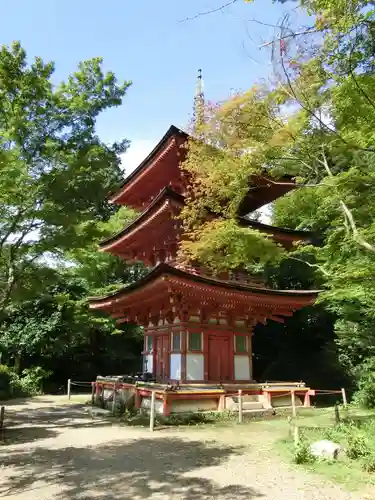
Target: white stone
{"x": 94, "y": 412}
{"x": 325, "y": 449}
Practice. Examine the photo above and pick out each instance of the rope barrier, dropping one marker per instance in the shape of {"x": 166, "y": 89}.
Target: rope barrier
{"x": 320, "y": 412}
{"x": 81, "y": 383}
{"x": 327, "y": 391}
{"x": 280, "y": 395}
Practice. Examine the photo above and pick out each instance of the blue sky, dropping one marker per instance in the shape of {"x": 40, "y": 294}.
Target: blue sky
{"x": 146, "y": 42}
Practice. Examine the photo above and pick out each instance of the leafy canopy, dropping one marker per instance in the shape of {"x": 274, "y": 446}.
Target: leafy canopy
{"x": 315, "y": 122}
{"x": 55, "y": 172}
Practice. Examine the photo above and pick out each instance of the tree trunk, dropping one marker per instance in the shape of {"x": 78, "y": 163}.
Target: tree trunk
{"x": 17, "y": 363}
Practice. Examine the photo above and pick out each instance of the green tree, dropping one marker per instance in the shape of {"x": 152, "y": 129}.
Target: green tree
{"x": 57, "y": 328}
{"x": 61, "y": 334}
{"x": 341, "y": 205}
{"x": 315, "y": 124}
{"x": 102, "y": 271}
{"x": 55, "y": 172}
{"x": 238, "y": 138}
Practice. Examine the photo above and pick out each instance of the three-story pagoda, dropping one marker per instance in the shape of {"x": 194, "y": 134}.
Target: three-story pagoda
{"x": 197, "y": 328}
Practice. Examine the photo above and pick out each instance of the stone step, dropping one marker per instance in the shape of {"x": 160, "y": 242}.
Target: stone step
{"x": 248, "y": 398}
{"x": 252, "y": 405}
{"x": 249, "y": 402}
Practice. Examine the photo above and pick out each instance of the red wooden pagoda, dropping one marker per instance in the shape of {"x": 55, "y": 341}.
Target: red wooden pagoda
{"x": 197, "y": 329}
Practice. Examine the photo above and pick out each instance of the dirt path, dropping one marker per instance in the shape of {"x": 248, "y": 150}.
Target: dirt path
{"x": 62, "y": 453}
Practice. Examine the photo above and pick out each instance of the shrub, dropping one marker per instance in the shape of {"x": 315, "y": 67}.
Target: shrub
{"x": 186, "y": 419}
{"x": 13, "y": 386}
{"x": 5, "y": 382}
{"x": 335, "y": 433}
{"x": 10, "y": 384}
{"x": 302, "y": 453}
{"x": 197, "y": 418}
{"x": 369, "y": 464}
{"x": 132, "y": 416}
{"x": 365, "y": 395}
{"x": 32, "y": 380}
{"x": 357, "y": 446}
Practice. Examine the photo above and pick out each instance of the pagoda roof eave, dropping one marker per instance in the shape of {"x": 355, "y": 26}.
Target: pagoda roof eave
{"x": 267, "y": 228}
{"x": 164, "y": 269}
{"x": 169, "y": 193}
{"x": 166, "y": 193}
{"x": 264, "y": 191}
{"x": 171, "y": 132}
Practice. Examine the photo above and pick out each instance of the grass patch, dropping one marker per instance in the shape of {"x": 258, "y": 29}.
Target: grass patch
{"x": 140, "y": 418}
{"x": 343, "y": 471}
{"x": 355, "y": 465}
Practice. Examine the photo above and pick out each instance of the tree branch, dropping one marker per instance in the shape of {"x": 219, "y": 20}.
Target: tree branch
{"x": 13, "y": 226}
{"x": 306, "y": 31}
{"x": 360, "y": 88}
{"x": 348, "y": 214}
{"x": 211, "y": 11}
{"x": 10, "y": 280}
{"x": 293, "y": 95}
{"x": 326, "y": 273}
{"x": 357, "y": 237}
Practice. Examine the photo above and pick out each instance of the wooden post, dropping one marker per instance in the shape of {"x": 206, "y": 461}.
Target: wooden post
{"x": 2, "y": 414}
{"x": 69, "y": 387}
{"x": 240, "y": 406}
{"x": 306, "y": 400}
{"x": 102, "y": 401}
{"x": 337, "y": 414}
{"x": 221, "y": 403}
{"x": 296, "y": 435}
{"x": 137, "y": 399}
{"x": 114, "y": 398}
{"x": 152, "y": 411}
{"x": 294, "y": 409}
{"x": 344, "y": 400}
{"x": 93, "y": 389}
{"x": 290, "y": 427}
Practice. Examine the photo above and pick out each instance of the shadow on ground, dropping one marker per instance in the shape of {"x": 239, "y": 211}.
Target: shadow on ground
{"x": 57, "y": 415}
{"x": 24, "y": 401}
{"x": 24, "y": 435}
{"x": 31, "y": 424}
{"x": 138, "y": 469}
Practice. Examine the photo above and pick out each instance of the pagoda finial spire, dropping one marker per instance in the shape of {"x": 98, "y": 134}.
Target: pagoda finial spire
{"x": 199, "y": 101}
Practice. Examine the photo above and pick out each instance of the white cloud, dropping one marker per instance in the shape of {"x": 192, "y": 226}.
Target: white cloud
{"x": 136, "y": 153}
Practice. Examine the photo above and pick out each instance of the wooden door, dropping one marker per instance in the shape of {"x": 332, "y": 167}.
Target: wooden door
{"x": 162, "y": 357}
{"x": 218, "y": 358}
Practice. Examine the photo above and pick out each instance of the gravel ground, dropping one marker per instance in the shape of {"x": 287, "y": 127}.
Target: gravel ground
{"x": 58, "y": 452}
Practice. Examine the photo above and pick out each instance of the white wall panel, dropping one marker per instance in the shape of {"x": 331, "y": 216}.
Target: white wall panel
{"x": 241, "y": 368}
{"x": 175, "y": 367}
{"x": 194, "y": 367}
{"x": 150, "y": 363}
